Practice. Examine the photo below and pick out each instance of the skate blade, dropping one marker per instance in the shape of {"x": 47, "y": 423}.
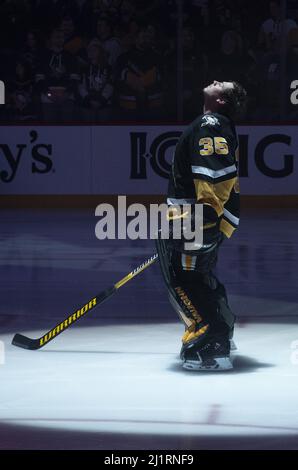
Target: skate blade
{"x": 233, "y": 346}
{"x": 216, "y": 364}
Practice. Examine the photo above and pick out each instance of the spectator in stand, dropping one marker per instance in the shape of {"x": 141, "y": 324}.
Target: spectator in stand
{"x": 139, "y": 80}
{"x": 221, "y": 38}
{"x": 231, "y": 59}
{"x": 221, "y": 14}
{"x": 57, "y": 80}
{"x": 73, "y": 42}
{"x": 31, "y": 51}
{"x": 109, "y": 42}
{"x": 157, "y": 41}
{"x": 269, "y": 65}
{"x": 96, "y": 88}
{"x": 270, "y": 33}
{"x": 127, "y": 35}
{"x": 21, "y": 103}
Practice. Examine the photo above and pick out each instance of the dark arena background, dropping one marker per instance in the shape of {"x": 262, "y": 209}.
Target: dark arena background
{"x": 94, "y": 97}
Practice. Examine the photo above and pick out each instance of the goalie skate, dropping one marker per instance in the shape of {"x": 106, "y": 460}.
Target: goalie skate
{"x": 215, "y": 364}
{"x": 213, "y": 356}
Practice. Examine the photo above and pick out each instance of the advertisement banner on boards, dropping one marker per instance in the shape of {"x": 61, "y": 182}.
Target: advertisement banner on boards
{"x": 133, "y": 159}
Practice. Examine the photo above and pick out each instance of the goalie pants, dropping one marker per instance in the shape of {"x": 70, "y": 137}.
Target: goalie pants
{"x": 201, "y": 292}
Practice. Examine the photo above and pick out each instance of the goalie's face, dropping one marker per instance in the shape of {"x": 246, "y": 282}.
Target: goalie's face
{"x": 216, "y": 89}
{"x": 214, "y": 94}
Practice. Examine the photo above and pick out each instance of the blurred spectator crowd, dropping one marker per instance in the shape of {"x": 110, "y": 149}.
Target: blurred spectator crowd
{"x": 116, "y": 60}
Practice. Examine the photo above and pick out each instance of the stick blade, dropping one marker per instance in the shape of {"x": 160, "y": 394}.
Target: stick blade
{"x": 23, "y": 342}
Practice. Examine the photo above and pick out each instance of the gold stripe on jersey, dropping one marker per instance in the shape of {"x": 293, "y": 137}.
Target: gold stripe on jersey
{"x": 226, "y": 228}
{"x": 214, "y": 194}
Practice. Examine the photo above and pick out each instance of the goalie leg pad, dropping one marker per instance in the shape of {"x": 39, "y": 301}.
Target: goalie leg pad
{"x": 179, "y": 299}
{"x": 198, "y": 297}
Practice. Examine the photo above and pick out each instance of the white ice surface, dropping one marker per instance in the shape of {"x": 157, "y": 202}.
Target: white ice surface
{"x": 129, "y": 379}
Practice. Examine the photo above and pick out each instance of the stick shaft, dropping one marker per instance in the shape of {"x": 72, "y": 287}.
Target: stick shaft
{"x": 28, "y": 343}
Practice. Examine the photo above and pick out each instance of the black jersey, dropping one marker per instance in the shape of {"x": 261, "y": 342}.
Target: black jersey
{"x": 204, "y": 168}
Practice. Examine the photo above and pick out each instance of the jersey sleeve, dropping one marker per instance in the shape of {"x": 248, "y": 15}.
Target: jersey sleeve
{"x": 212, "y": 151}
{"x": 231, "y": 213}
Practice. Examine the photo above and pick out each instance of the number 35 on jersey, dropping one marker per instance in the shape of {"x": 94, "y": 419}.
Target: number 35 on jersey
{"x": 211, "y": 145}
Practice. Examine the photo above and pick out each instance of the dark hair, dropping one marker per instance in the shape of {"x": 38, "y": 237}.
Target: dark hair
{"x": 235, "y": 99}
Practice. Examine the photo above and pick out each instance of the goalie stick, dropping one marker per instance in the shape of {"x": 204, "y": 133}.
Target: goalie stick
{"x": 28, "y": 343}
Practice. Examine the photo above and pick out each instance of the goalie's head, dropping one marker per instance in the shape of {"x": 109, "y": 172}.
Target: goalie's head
{"x": 227, "y": 98}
